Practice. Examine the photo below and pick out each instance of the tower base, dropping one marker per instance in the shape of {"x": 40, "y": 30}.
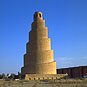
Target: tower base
{"x": 44, "y": 76}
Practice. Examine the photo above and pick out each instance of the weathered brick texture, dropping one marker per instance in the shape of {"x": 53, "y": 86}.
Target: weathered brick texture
{"x": 74, "y": 72}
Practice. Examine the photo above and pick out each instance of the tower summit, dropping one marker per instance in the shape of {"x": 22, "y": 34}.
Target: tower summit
{"x": 39, "y": 56}
{"x": 38, "y": 16}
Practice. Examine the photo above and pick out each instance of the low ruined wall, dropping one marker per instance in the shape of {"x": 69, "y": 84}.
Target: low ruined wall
{"x": 74, "y": 72}
{"x": 44, "y": 76}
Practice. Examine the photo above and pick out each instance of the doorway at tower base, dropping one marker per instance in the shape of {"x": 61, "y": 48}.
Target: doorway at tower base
{"x": 44, "y": 76}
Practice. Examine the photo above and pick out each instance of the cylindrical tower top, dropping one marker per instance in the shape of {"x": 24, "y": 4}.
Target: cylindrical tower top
{"x": 38, "y": 16}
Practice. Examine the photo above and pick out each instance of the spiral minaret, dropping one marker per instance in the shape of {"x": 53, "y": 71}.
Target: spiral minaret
{"x": 39, "y": 56}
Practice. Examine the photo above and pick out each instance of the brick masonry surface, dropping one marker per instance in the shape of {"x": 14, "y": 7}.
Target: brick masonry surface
{"x": 74, "y": 72}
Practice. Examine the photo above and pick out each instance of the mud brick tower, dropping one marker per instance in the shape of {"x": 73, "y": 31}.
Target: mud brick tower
{"x": 38, "y": 59}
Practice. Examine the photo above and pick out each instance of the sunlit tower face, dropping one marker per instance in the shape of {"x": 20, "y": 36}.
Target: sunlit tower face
{"x": 39, "y": 55}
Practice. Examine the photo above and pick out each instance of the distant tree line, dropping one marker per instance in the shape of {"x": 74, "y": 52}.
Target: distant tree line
{"x": 11, "y": 76}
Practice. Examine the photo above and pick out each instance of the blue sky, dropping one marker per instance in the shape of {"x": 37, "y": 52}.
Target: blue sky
{"x": 67, "y": 27}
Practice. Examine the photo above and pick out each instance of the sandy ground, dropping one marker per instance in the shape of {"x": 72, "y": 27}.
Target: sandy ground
{"x": 45, "y": 83}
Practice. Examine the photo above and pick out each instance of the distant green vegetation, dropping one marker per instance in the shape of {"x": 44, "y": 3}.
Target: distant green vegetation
{"x": 11, "y": 76}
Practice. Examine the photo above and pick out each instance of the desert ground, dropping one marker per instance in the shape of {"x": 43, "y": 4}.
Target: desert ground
{"x": 45, "y": 83}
